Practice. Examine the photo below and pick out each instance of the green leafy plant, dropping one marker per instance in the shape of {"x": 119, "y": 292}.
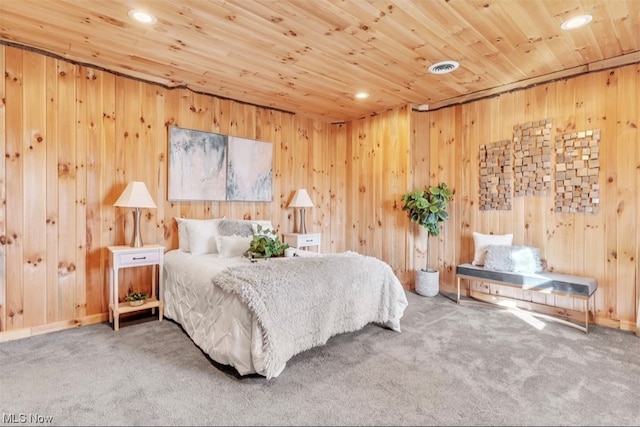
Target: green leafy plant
{"x": 136, "y": 296}
{"x": 428, "y": 208}
{"x": 266, "y": 244}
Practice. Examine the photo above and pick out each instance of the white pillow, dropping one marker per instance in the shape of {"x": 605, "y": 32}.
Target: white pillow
{"x": 482, "y": 241}
{"x": 233, "y": 246}
{"x": 202, "y": 235}
{"x": 183, "y": 236}
{"x": 518, "y": 259}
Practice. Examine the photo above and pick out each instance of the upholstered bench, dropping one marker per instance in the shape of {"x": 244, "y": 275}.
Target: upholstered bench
{"x": 552, "y": 283}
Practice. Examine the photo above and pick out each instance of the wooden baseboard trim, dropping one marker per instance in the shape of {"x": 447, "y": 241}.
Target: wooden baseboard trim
{"x": 51, "y": 327}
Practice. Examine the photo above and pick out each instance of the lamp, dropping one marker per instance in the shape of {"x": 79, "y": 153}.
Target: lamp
{"x": 301, "y": 200}
{"x": 135, "y": 196}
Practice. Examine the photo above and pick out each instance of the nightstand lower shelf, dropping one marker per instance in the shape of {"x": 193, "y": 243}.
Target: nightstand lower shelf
{"x": 124, "y": 307}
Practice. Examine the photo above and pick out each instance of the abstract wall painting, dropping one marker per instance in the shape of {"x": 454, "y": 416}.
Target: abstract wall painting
{"x": 197, "y": 165}
{"x": 249, "y": 170}
{"x": 207, "y": 166}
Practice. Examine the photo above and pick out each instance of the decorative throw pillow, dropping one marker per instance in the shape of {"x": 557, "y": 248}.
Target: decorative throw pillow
{"x": 517, "y": 259}
{"x": 229, "y": 227}
{"x": 481, "y": 241}
{"x": 183, "y": 233}
{"x": 234, "y": 245}
{"x": 183, "y": 236}
{"x": 201, "y": 235}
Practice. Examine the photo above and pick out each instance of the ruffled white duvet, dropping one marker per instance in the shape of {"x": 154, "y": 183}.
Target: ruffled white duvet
{"x": 224, "y": 326}
{"x": 217, "y": 321}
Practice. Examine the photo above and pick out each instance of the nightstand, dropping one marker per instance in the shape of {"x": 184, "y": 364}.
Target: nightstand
{"x": 298, "y": 241}
{"x": 127, "y": 257}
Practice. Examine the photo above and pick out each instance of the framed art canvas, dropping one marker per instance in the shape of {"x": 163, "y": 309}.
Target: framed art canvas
{"x": 197, "y": 165}
{"x": 249, "y": 170}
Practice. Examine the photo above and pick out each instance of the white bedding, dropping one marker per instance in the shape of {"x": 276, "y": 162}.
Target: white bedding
{"x": 219, "y": 321}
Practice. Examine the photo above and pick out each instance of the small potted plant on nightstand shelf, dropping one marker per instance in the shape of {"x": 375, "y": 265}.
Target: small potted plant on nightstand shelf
{"x": 136, "y": 298}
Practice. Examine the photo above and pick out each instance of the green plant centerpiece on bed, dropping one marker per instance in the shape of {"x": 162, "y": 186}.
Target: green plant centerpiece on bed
{"x": 136, "y": 298}
{"x": 428, "y": 208}
{"x": 266, "y": 244}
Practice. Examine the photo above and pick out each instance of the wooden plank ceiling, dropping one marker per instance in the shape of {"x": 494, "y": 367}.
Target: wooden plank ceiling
{"x": 311, "y": 56}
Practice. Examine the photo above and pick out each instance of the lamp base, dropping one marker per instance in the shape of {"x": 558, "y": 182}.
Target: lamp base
{"x": 136, "y": 239}
{"x": 303, "y": 228}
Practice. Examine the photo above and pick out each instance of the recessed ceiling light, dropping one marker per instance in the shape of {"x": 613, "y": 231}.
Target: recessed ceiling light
{"x": 142, "y": 16}
{"x": 361, "y": 95}
{"x": 443, "y": 67}
{"x": 576, "y": 22}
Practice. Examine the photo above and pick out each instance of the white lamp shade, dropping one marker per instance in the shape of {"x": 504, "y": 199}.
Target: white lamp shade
{"x": 301, "y": 199}
{"x": 135, "y": 195}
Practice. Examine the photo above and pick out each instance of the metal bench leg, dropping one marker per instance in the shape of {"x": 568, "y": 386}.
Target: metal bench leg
{"x": 587, "y": 306}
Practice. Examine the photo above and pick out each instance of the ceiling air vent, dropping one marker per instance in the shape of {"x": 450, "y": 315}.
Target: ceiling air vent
{"x": 443, "y": 67}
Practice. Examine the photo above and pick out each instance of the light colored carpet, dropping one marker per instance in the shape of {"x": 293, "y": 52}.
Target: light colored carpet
{"x": 451, "y": 365}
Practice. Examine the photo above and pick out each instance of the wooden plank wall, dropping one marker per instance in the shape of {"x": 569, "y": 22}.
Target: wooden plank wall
{"x": 378, "y": 172}
{"x": 74, "y": 136}
{"x": 606, "y": 245}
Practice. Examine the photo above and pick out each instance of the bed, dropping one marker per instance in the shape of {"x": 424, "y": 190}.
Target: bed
{"x": 255, "y": 316}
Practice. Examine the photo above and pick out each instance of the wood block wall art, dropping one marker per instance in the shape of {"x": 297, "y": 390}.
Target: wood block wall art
{"x": 577, "y": 169}
{"x": 495, "y": 176}
{"x": 532, "y": 158}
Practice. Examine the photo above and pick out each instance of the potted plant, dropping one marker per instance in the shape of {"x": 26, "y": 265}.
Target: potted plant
{"x": 266, "y": 244}
{"x": 428, "y": 208}
{"x": 136, "y": 298}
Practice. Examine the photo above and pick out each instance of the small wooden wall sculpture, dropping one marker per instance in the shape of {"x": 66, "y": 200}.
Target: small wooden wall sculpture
{"x": 532, "y": 158}
{"x": 495, "y": 176}
{"x": 577, "y": 169}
